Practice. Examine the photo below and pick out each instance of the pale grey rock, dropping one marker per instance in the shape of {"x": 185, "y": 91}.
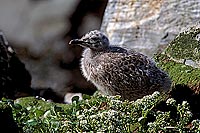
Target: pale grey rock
{"x": 146, "y": 25}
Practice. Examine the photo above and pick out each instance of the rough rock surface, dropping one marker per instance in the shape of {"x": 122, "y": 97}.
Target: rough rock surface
{"x": 15, "y": 79}
{"x": 181, "y": 60}
{"x": 147, "y": 25}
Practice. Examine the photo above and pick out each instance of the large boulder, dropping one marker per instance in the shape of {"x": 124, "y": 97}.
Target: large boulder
{"x": 146, "y": 25}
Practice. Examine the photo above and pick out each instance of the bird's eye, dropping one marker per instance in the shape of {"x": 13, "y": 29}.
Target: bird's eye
{"x": 95, "y": 38}
{"x": 95, "y": 45}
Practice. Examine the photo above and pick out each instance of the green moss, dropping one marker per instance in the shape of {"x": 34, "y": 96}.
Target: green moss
{"x": 4, "y": 108}
{"x": 102, "y": 114}
{"x": 41, "y": 104}
{"x": 179, "y": 73}
{"x": 185, "y": 46}
{"x": 32, "y": 101}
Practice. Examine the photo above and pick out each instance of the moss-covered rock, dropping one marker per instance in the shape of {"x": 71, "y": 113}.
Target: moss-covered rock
{"x": 186, "y": 46}
{"x": 181, "y": 59}
{"x": 103, "y": 114}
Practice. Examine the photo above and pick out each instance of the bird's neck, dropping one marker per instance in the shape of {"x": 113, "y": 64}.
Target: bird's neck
{"x": 89, "y": 53}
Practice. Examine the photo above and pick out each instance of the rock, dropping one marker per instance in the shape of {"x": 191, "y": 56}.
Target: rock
{"x": 147, "y": 26}
{"x": 15, "y": 79}
{"x": 181, "y": 61}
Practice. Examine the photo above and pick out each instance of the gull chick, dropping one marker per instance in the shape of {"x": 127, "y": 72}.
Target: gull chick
{"x": 118, "y": 71}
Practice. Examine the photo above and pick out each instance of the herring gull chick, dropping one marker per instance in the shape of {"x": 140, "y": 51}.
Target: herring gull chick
{"x": 117, "y": 71}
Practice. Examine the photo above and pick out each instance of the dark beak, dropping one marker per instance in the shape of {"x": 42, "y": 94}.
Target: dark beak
{"x": 79, "y": 42}
{"x": 76, "y": 41}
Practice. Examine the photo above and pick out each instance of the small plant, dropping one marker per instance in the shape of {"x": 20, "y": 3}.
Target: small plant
{"x": 103, "y": 114}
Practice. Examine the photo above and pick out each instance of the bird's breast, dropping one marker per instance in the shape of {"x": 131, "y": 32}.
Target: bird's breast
{"x": 88, "y": 69}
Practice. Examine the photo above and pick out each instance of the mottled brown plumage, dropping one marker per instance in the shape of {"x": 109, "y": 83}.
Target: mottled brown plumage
{"x": 117, "y": 71}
